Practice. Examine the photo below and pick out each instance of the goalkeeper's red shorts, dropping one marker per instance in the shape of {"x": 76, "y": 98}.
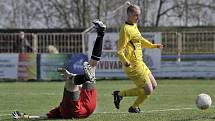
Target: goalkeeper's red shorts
{"x": 76, "y": 104}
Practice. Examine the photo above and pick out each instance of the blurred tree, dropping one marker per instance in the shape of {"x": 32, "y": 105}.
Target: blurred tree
{"x": 162, "y": 12}
{"x": 44, "y": 9}
{"x": 80, "y": 13}
{"x": 194, "y": 13}
{"x": 9, "y": 14}
{"x": 201, "y": 12}
{"x": 98, "y": 8}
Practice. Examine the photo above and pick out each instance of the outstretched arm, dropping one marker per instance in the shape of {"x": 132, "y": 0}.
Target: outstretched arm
{"x": 19, "y": 115}
{"x": 147, "y": 44}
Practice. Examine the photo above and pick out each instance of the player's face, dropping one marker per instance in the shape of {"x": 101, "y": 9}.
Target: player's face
{"x": 134, "y": 16}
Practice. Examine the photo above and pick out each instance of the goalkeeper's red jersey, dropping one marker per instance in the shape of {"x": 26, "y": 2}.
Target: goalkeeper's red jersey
{"x": 81, "y": 108}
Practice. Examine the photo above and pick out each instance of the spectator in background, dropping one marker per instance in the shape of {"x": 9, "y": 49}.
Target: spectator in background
{"x": 52, "y": 49}
{"x": 22, "y": 45}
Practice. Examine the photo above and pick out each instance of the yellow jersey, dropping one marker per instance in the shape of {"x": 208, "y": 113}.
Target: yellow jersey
{"x": 130, "y": 44}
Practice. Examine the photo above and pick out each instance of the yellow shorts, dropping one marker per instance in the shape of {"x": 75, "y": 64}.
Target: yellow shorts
{"x": 138, "y": 73}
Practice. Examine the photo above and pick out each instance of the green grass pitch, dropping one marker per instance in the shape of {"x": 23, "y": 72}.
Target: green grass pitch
{"x": 173, "y": 100}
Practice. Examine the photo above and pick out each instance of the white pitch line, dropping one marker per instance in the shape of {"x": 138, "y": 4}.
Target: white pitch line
{"x": 151, "y": 111}
{"x": 1, "y": 115}
{"x": 165, "y": 110}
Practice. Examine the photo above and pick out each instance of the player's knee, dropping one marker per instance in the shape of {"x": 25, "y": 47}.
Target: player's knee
{"x": 148, "y": 88}
{"x": 148, "y": 91}
{"x": 93, "y": 63}
{"x": 154, "y": 86}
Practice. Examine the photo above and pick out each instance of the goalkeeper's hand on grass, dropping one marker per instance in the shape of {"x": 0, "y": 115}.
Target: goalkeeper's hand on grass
{"x": 19, "y": 115}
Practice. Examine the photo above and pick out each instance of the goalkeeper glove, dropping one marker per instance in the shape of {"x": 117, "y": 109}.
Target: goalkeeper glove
{"x": 19, "y": 115}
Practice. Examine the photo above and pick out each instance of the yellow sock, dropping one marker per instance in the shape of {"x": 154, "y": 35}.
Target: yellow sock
{"x": 129, "y": 92}
{"x": 140, "y": 99}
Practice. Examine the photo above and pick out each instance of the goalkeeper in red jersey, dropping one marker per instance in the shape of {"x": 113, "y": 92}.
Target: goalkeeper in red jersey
{"x": 79, "y": 97}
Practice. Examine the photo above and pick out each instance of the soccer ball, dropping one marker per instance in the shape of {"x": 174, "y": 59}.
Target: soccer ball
{"x": 203, "y": 101}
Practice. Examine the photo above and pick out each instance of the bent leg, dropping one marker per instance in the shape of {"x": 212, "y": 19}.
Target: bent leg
{"x": 130, "y": 92}
{"x": 144, "y": 85}
{"x": 88, "y": 97}
{"x": 153, "y": 81}
{"x": 88, "y": 90}
{"x": 147, "y": 90}
{"x": 140, "y": 99}
{"x": 70, "y": 85}
{"x": 71, "y": 106}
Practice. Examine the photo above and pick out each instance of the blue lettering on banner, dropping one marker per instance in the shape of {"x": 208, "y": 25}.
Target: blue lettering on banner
{"x": 148, "y": 60}
{"x": 109, "y": 65}
{"x": 75, "y": 63}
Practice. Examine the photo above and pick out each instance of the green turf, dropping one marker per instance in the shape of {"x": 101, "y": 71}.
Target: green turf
{"x": 39, "y": 97}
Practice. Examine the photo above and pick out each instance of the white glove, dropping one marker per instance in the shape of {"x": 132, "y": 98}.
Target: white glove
{"x": 19, "y": 115}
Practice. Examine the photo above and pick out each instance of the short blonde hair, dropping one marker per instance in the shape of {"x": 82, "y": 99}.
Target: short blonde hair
{"x": 132, "y": 7}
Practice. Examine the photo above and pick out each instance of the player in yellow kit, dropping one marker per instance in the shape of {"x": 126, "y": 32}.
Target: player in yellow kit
{"x": 130, "y": 45}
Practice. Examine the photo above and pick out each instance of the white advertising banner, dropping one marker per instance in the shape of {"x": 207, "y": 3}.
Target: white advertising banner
{"x": 110, "y": 66}
{"x": 109, "y": 60}
{"x": 8, "y": 66}
{"x": 152, "y": 57}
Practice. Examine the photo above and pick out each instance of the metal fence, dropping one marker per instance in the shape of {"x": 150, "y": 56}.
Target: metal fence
{"x": 38, "y": 43}
{"x": 65, "y": 42}
{"x": 187, "y": 42}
